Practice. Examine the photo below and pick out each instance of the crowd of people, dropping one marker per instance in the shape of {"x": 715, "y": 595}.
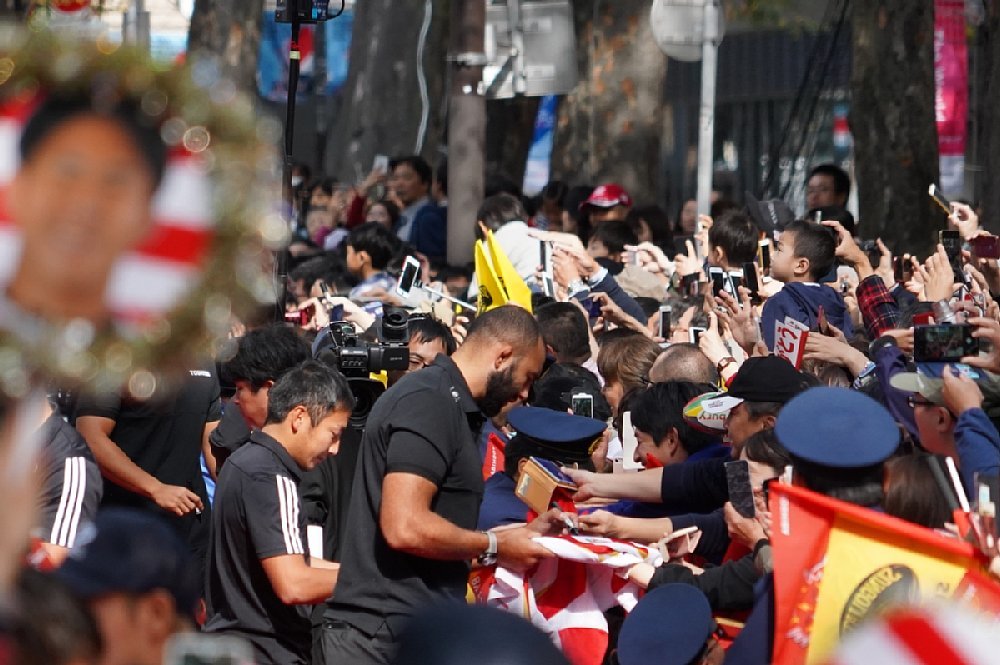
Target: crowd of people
{"x": 321, "y": 491}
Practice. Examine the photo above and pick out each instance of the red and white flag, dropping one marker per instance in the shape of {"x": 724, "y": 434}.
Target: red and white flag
{"x": 567, "y": 596}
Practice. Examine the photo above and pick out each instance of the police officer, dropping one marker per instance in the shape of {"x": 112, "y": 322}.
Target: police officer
{"x": 563, "y": 438}
{"x": 671, "y": 625}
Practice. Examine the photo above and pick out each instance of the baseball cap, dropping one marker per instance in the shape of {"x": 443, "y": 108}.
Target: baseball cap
{"x": 770, "y": 215}
{"x": 928, "y": 380}
{"x": 837, "y": 428}
{"x": 669, "y": 626}
{"x": 125, "y": 550}
{"x": 761, "y": 379}
{"x": 608, "y": 196}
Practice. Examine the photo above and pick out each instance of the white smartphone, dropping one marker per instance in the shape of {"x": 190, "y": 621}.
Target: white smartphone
{"x": 666, "y": 311}
{"x": 408, "y": 278}
{"x": 582, "y": 404}
{"x": 381, "y": 163}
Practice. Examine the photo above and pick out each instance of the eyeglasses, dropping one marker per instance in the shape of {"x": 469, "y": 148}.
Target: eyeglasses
{"x": 915, "y": 400}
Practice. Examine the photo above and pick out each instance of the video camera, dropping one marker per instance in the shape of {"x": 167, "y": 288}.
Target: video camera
{"x": 357, "y": 359}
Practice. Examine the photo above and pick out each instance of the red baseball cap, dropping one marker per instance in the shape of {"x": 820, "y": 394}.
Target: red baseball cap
{"x": 608, "y": 196}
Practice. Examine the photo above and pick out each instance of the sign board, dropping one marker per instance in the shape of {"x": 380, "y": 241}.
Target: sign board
{"x": 546, "y": 60}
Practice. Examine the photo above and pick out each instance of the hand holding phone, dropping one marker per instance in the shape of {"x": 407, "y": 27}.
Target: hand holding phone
{"x": 582, "y": 404}
{"x": 666, "y": 311}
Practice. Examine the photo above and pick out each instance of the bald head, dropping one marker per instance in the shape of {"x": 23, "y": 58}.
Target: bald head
{"x": 509, "y": 324}
{"x": 683, "y": 362}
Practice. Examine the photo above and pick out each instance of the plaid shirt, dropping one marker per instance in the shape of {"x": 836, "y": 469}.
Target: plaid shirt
{"x": 878, "y": 308}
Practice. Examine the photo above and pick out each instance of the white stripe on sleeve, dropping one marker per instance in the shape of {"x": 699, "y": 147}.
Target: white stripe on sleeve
{"x": 286, "y": 530}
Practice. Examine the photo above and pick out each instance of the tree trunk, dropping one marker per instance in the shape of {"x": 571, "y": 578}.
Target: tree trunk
{"x": 230, "y": 31}
{"x": 990, "y": 119}
{"x": 609, "y": 127}
{"x": 892, "y": 120}
{"x": 510, "y": 128}
{"x": 379, "y": 108}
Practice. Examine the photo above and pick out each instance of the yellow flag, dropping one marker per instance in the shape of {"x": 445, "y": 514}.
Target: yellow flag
{"x": 491, "y": 294}
{"x": 510, "y": 281}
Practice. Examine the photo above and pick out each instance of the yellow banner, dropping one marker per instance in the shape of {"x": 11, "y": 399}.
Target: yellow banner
{"x": 868, "y": 571}
{"x": 510, "y": 281}
{"x": 491, "y": 293}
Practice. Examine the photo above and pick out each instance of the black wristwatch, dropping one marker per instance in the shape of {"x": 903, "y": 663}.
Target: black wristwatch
{"x": 489, "y": 556}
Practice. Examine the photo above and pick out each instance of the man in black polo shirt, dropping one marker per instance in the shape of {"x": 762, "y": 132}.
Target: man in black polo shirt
{"x": 149, "y": 450}
{"x": 259, "y": 576}
{"x": 419, "y": 483}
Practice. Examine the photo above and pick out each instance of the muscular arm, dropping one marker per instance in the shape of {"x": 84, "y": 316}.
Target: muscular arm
{"x": 409, "y": 525}
{"x": 118, "y": 468}
{"x": 115, "y": 464}
{"x": 297, "y": 583}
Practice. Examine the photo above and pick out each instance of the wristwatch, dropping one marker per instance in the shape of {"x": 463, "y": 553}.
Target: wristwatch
{"x": 489, "y": 557}
{"x": 577, "y": 286}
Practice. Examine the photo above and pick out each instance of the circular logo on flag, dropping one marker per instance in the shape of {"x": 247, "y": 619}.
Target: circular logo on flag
{"x": 884, "y": 589}
{"x": 135, "y": 202}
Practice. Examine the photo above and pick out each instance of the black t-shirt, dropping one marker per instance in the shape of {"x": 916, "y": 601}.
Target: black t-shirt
{"x": 257, "y": 516}
{"x": 163, "y": 437}
{"x": 71, "y": 483}
{"x": 425, "y": 425}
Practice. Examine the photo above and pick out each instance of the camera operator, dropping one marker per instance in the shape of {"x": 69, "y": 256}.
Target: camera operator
{"x": 259, "y": 574}
{"x": 262, "y": 358}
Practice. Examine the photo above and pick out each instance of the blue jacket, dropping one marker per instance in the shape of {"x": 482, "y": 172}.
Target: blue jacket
{"x": 500, "y": 505}
{"x": 978, "y": 445}
{"x": 802, "y": 302}
{"x": 429, "y": 234}
{"x": 618, "y": 296}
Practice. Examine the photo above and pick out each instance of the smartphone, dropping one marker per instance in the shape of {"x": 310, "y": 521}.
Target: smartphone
{"x": 733, "y": 283}
{"x": 694, "y": 334}
{"x": 943, "y": 342}
{"x": 381, "y": 163}
{"x": 987, "y": 497}
{"x": 985, "y": 247}
{"x": 718, "y": 279}
{"x": 767, "y": 491}
{"x": 764, "y": 255}
{"x": 195, "y": 649}
{"x": 408, "y": 278}
{"x": 545, "y": 256}
{"x": 899, "y": 269}
{"x": 935, "y": 193}
{"x": 631, "y": 257}
{"x": 302, "y": 316}
{"x": 593, "y": 308}
{"x": 582, "y": 404}
{"x": 952, "y": 243}
{"x": 337, "y": 313}
{"x": 690, "y": 285}
{"x": 740, "y": 492}
{"x": 666, "y": 311}
{"x": 750, "y": 278}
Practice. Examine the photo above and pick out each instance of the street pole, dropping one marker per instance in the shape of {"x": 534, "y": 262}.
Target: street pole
{"x": 466, "y": 127}
{"x": 136, "y": 26}
{"x": 706, "y": 114}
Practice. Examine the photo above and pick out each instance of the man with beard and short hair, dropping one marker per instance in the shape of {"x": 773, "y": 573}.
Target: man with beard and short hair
{"x": 418, "y": 488}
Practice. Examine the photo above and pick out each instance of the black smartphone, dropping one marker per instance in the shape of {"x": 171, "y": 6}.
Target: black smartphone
{"x": 718, "y": 278}
{"x": 952, "y": 243}
{"x": 694, "y": 334}
{"x": 733, "y": 283}
{"x": 664, "y": 323}
{"x": 750, "y": 280}
{"x": 408, "y": 278}
{"x": 545, "y": 256}
{"x": 740, "y": 492}
{"x": 764, "y": 250}
{"x": 899, "y": 269}
{"x": 690, "y": 285}
{"x": 337, "y": 313}
{"x": 943, "y": 342}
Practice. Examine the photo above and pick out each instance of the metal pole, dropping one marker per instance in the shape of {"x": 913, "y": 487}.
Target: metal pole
{"x": 706, "y": 115}
{"x": 142, "y": 27}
